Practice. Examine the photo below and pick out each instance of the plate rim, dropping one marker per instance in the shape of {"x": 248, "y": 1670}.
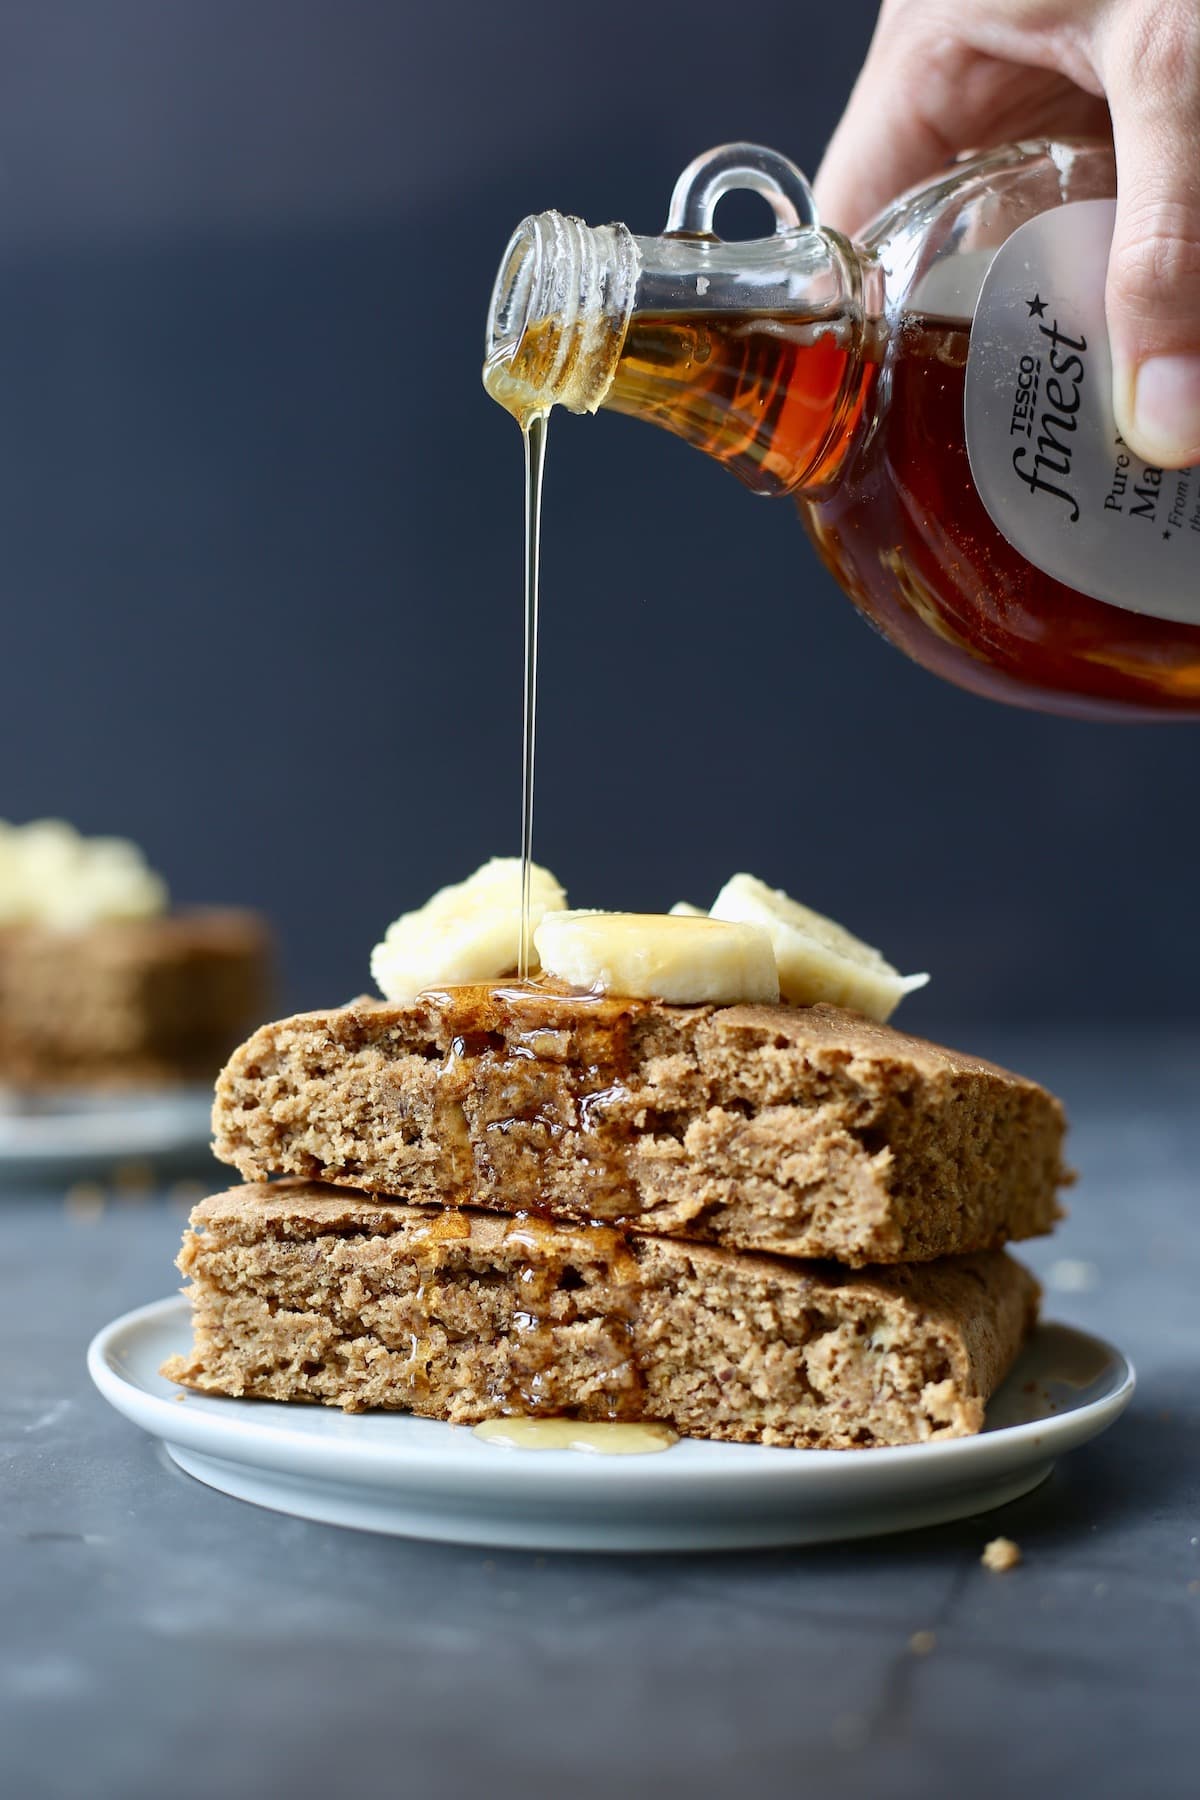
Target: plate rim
{"x": 594, "y": 1530}
{"x": 273, "y": 1444}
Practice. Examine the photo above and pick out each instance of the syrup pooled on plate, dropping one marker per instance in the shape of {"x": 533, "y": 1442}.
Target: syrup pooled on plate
{"x": 601, "y": 1438}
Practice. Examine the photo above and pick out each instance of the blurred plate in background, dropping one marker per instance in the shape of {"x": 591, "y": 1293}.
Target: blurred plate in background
{"x": 52, "y": 1137}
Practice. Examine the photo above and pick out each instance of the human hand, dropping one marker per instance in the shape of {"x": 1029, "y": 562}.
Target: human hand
{"x": 943, "y": 76}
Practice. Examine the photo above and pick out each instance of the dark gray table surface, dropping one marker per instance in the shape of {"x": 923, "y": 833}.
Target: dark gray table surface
{"x": 159, "y": 1641}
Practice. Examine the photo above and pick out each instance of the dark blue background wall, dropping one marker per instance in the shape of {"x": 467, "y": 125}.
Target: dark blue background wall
{"x": 260, "y": 536}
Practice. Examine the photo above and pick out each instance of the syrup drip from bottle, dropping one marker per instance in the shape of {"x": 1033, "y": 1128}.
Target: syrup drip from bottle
{"x": 533, "y": 433}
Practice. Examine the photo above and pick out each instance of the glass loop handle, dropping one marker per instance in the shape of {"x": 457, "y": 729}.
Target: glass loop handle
{"x": 732, "y": 166}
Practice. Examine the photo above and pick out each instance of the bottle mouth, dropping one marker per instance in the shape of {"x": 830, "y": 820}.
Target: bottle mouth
{"x": 519, "y": 274}
{"x": 560, "y": 308}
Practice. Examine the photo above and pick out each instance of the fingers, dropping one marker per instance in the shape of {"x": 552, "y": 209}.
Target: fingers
{"x": 942, "y": 78}
{"x": 884, "y": 143}
{"x": 925, "y": 94}
{"x": 1150, "y": 61}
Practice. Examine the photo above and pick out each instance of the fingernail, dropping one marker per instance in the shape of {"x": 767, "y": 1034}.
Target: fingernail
{"x": 1166, "y": 410}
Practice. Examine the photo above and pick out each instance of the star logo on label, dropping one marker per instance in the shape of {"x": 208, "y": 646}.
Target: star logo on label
{"x": 1037, "y": 307}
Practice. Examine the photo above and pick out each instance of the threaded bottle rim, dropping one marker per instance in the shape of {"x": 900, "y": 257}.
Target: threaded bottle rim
{"x": 560, "y": 308}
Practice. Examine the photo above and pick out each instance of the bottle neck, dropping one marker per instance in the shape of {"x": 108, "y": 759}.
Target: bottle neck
{"x": 753, "y": 352}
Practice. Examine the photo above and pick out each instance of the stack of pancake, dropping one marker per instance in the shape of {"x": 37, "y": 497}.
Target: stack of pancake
{"x": 767, "y": 1223}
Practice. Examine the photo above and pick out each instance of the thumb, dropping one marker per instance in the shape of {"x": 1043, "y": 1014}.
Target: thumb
{"x": 1153, "y": 295}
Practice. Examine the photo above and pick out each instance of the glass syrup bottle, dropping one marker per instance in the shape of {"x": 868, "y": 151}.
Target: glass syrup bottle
{"x": 936, "y": 396}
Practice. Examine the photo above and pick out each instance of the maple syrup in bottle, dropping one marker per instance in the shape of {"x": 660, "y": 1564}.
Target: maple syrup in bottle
{"x": 935, "y": 397}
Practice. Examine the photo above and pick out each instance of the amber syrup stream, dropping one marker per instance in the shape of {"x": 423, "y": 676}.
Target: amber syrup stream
{"x": 533, "y": 433}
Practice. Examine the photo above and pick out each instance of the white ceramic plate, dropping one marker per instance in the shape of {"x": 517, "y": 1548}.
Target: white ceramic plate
{"x": 57, "y": 1136}
{"x": 418, "y": 1478}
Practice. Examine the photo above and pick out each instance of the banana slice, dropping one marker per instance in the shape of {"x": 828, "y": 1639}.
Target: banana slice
{"x": 659, "y": 956}
{"x": 50, "y": 875}
{"x": 470, "y": 931}
{"x": 817, "y": 959}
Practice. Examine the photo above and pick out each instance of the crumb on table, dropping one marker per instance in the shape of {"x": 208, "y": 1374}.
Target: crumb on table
{"x": 84, "y": 1201}
{"x": 1001, "y": 1555}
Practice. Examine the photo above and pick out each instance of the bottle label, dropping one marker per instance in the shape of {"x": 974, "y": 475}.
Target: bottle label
{"x": 1049, "y": 463}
